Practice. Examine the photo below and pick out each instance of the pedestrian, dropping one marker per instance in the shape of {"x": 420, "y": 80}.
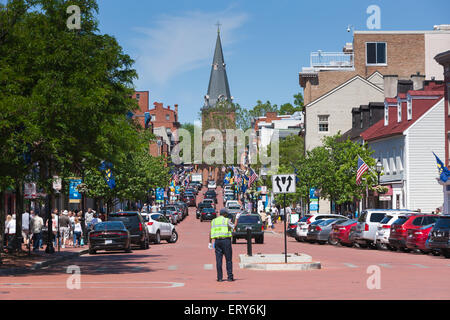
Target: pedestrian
{"x": 64, "y": 228}
{"x": 269, "y": 222}
{"x": 221, "y": 232}
{"x": 72, "y": 225}
{"x": 263, "y": 216}
{"x": 55, "y": 219}
{"x": 5, "y": 238}
{"x": 438, "y": 211}
{"x": 25, "y": 228}
{"x": 10, "y": 230}
{"x": 89, "y": 215}
{"x": 37, "y": 223}
{"x": 94, "y": 221}
{"x": 77, "y": 233}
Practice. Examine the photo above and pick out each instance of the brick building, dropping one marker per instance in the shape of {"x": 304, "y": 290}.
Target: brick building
{"x": 163, "y": 121}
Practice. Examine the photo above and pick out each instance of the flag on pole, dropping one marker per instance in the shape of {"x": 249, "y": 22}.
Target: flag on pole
{"x": 106, "y": 168}
{"x": 443, "y": 170}
{"x": 253, "y": 177}
{"x": 362, "y": 167}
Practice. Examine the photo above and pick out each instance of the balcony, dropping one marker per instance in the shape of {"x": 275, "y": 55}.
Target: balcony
{"x": 332, "y": 61}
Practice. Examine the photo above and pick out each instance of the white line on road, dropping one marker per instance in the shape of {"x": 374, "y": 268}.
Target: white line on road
{"x": 419, "y": 265}
{"x": 85, "y": 285}
{"x": 350, "y": 265}
{"x": 172, "y": 268}
{"x": 208, "y": 267}
{"x": 385, "y": 265}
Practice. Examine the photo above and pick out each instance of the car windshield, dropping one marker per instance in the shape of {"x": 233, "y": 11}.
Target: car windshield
{"x": 304, "y": 219}
{"x": 208, "y": 210}
{"x": 347, "y": 223}
{"x": 116, "y": 225}
{"x": 317, "y": 222}
{"x": 205, "y": 205}
{"x": 234, "y": 207}
{"x": 443, "y": 223}
{"x": 249, "y": 219}
{"x": 327, "y": 222}
{"x": 386, "y": 219}
{"x": 400, "y": 221}
{"x": 155, "y": 216}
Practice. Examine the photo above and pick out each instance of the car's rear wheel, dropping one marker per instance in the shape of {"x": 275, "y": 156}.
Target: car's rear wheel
{"x": 259, "y": 240}
{"x": 158, "y": 237}
{"x": 91, "y": 251}
{"x": 173, "y": 237}
{"x": 381, "y": 246}
{"x": 332, "y": 241}
{"x": 128, "y": 250}
{"x": 436, "y": 252}
{"x": 298, "y": 239}
{"x": 446, "y": 253}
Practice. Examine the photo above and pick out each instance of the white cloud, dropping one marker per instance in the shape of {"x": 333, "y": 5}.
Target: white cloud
{"x": 177, "y": 44}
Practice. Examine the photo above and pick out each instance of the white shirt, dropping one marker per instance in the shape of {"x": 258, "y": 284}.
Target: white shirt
{"x": 78, "y": 227}
{"x": 11, "y": 227}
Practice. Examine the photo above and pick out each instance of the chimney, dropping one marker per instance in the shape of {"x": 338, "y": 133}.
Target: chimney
{"x": 418, "y": 81}
{"x": 176, "y": 109}
{"x": 390, "y": 86}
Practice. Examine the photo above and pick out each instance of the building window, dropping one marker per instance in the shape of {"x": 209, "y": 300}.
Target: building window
{"x": 153, "y": 117}
{"x": 138, "y": 96}
{"x": 167, "y": 117}
{"x": 323, "y": 124}
{"x": 399, "y": 111}
{"x": 376, "y": 53}
{"x": 386, "y": 114}
{"x": 409, "y": 107}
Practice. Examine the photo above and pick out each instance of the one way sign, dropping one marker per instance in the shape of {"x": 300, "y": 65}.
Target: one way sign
{"x": 284, "y": 183}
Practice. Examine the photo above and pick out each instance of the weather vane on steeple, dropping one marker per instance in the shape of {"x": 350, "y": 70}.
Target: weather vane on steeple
{"x": 218, "y": 24}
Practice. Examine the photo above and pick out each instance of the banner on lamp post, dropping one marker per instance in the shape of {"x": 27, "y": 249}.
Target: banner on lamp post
{"x": 74, "y": 194}
{"x": 30, "y": 190}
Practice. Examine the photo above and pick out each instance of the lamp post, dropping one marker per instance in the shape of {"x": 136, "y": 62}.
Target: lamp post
{"x": 379, "y": 168}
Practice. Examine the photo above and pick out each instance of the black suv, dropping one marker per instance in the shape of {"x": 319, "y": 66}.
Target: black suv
{"x": 135, "y": 224}
{"x": 211, "y": 194}
{"x": 439, "y": 237}
{"x": 252, "y": 221}
{"x": 201, "y": 206}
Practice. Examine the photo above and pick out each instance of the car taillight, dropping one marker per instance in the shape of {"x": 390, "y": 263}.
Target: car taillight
{"x": 140, "y": 226}
{"x": 318, "y": 229}
{"x": 386, "y": 226}
{"x": 366, "y": 227}
{"x": 309, "y": 220}
{"x": 293, "y": 226}
{"x": 149, "y": 223}
{"x": 94, "y": 235}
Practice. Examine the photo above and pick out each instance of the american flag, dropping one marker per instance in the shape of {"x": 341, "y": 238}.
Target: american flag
{"x": 253, "y": 177}
{"x": 362, "y": 167}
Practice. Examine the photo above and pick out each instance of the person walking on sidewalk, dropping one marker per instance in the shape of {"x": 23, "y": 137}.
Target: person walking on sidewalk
{"x": 37, "y": 223}
{"x": 11, "y": 231}
{"x": 77, "y": 233}
{"x": 221, "y": 232}
{"x": 64, "y": 227}
{"x": 26, "y": 228}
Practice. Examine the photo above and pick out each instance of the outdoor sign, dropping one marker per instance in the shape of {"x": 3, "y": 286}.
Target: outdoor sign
{"x": 160, "y": 194}
{"x": 313, "y": 200}
{"x": 30, "y": 190}
{"x": 294, "y": 218}
{"x": 283, "y": 183}
{"x": 264, "y": 190}
{"x": 57, "y": 183}
{"x": 385, "y": 198}
{"x": 177, "y": 190}
{"x": 74, "y": 195}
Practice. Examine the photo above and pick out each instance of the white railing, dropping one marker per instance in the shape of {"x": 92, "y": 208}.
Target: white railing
{"x": 332, "y": 60}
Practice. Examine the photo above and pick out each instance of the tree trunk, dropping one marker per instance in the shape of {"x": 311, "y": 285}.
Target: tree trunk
{"x": 19, "y": 211}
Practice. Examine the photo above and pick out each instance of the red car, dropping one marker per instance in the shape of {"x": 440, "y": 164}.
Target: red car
{"x": 399, "y": 229}
{"x": 340, "y": 233}
{"x": 418, "y": 237}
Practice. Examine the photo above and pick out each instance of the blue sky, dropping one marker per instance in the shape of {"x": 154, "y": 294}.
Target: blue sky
{"x": 265, "y": 43}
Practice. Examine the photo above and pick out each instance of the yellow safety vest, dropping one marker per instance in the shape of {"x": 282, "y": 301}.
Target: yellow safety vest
{"x": 219, "y": 228}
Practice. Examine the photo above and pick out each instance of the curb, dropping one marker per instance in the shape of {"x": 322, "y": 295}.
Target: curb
{"x": 40, "y": 265}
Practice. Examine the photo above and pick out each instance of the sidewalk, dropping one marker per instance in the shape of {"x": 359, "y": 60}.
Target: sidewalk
{"x": 20, "y": 263}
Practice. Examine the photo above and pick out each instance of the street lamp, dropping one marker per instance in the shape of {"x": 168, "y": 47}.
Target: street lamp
{"x": 379, "y": 168}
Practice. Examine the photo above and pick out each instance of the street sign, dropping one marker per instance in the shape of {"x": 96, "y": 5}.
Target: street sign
{"x": 283, "y": 183}
{"x": 30, "y": 191}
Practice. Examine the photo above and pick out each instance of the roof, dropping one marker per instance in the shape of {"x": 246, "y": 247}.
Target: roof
{"x": 218, "y": 81}
{"x": 419, "y": 107}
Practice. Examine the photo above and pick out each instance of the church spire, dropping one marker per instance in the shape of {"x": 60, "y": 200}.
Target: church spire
{"x": 218, "y": 89}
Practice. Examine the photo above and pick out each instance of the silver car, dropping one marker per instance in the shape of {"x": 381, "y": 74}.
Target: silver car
{"x": 321, "y": 231}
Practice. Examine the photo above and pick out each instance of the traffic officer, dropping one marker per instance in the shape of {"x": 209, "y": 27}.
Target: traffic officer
{"x": 221, "y": 231}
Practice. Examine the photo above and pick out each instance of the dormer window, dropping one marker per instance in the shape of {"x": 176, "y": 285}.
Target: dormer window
{"x": 409, "y": 108}
{"x": 386, "y": 114}
{"x": 361, "y": 120}
{"x": 399, "y": 111}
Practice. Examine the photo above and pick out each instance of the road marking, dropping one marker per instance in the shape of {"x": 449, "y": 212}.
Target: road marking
{"x": 85, "y": 285}
{"x": 208, "y": 267}
{"x": 350, "y": 265}
{"x": 172, "y": 268}
{"x": 419, "y": 265}
{"x": 385, "y": 265}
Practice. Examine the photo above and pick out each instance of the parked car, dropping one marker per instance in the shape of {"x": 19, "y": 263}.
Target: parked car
{"x": 170, "y": 215}
{"x": 207, "y": 214}
{"x": 399, "y": 229}
{"x": 227, "y": 188}
{"x": 228, "y": 197}
{"x": 232, "y": 203}
{"x": 303, "y": 223}
{"x": 417, "y": 238}
{"x": 212, "y": 185}
{"x": 183, "y": 207}
{"x": 367, "y": 226}
{"x": 321, "y": 232}
{"x": 109, "y": 236}
{"x": 176, "y": 210}
{"x": 341, "y": 232}
{"x": 313, "y": 225}
{"x": 135, "y": 224}
{"x": 200, "y": 207}
{"x": 160, "y": 228}
{"x": 252, "y": 221}
{"x": 384, "y": 230}
{"x": 440, "y": 236}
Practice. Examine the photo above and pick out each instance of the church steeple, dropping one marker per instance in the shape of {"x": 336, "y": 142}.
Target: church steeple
{"x": 218, "y": 89}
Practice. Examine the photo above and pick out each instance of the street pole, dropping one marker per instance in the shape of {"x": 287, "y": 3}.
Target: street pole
{"x": 285, "y": 235}
{"x": 49, "y": 249}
